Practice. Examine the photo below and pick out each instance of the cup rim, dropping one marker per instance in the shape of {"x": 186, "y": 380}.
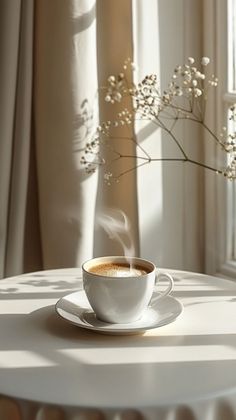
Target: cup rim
{"x": 113, "y": 258}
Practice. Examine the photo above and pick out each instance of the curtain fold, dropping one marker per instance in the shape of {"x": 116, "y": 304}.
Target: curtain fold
{"x": 65, "y": 115}
{"x": 16, "y": 23}
{"x": 21, "y": 143}
{"x": 149, "y": 178}
{"x": 115, "y": 46}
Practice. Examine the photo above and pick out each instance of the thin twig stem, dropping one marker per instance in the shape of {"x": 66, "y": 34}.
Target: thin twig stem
{"x": 173, "y": 137}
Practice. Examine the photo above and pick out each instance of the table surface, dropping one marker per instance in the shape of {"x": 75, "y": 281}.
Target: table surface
{"x": 44, "y": 358}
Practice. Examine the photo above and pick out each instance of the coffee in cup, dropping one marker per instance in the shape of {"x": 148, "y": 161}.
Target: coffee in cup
{"x": 114, "y": 269}
{"x": 119, "y": 291}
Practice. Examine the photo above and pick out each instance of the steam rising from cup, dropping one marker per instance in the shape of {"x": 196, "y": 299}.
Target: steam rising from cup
{"x": 117, "y": 226}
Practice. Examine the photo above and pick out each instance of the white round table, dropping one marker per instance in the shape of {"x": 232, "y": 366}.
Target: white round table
{"x": 182, "y": 371}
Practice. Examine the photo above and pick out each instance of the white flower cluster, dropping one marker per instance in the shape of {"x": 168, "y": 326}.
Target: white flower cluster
{"x": 116, "y": 88}
{"x": 124, "y": 117}
{"x": 233, "y": 113}
{"x": 146, "y": 97}
{"x": 229, "y": 145}
{"x": 188, "y": 80}
{"x": 230, "y": 171}
{"x": 183, "y": 98}
{"x": 107, "y": 178}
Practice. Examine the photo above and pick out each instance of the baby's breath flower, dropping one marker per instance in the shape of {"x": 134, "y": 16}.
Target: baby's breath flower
{"x": 179, "y": 91}
{"x": 117, "y": 96}
{"x": 205, "y": 61}
{"x": 107, "y": 177}
{"x": 134, "y": 66}
{"x": 199, "y": 75}
{"x": 230, "y": 171}
{"x": 233, "y": 113}
{"x": 197, "y": 92}
{"x": 191, "y": 60}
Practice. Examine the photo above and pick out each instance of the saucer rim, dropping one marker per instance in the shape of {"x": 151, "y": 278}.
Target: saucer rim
{"x": 117, "y": 331}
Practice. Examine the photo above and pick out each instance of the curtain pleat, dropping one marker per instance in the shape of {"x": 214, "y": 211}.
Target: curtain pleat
{"x": 15, "y": 120}
{"x": 115, "y": 45}
{"x": 65, "y": 115}
{"x": 9, "y": 35}
{"x": 21, "y": 144}
{"x": 149, "y": 177}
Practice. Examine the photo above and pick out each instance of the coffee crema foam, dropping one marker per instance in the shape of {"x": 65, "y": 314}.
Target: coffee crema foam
{"x": 118, "y": 270}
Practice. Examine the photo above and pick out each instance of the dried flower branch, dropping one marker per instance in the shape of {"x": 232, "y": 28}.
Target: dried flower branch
{"x": 184, "y": 99}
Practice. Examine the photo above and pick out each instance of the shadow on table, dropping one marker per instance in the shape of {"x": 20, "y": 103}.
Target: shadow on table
{"x": 28, "y": 287}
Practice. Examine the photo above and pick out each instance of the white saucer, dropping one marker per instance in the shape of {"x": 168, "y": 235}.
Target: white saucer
{"x": 75, "y": 308}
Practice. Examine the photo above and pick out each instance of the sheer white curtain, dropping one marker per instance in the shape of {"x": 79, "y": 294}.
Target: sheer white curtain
{"x": 65, "y": 114}
{"x": 53, "y": 57}
{"x": 114, "y": 46}
{"x": 75, "y": 44}
{"x": 49, "y": 106}
{"x": 170, "y": 195}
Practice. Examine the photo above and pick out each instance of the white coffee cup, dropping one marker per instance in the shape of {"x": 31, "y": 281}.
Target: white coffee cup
{"x": 123, "y": 297}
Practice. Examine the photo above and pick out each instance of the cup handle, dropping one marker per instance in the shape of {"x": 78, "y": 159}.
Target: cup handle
{"x": 171, "y": 283}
